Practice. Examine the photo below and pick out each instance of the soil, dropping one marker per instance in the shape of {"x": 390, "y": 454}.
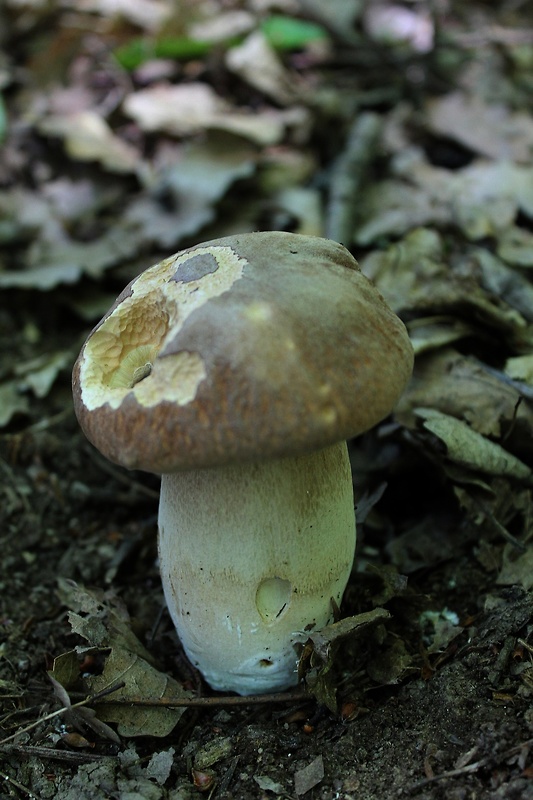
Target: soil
{"x": 459, "y": 727}
{"x": 433, "y": 700}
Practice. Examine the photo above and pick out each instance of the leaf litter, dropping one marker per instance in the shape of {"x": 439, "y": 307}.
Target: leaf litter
{"x": 148, "y": 128}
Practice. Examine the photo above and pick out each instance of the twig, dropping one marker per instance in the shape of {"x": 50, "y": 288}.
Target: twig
{"x": 496, "y": 526}
{"x": 69, "y": 756}
{"x": 466, "y": 770}
{"x": 119, "y": 476}
{"x": 213, "y": 702}
{"x": 348, "y": 175}
{"x": 63, "y": 709}
{"x": 525, "y": 644}
{"x": 18, "y": 785}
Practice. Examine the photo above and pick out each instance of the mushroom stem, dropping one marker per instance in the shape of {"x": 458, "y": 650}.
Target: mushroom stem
{"x": 251, "y": 556}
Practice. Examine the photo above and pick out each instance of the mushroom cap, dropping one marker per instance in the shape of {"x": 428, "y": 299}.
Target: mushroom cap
{"x": 244, "y": 348}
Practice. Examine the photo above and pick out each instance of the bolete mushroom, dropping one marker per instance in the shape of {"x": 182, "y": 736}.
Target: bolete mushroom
{"x": 237, "y": 369}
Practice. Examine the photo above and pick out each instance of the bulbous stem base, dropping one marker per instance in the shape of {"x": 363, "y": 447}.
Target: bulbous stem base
{"x": 251, "y": 557}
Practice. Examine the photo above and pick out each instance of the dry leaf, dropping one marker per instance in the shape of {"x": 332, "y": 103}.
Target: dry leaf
{"x": 88, "y": 137}
{"x": 142, "y": 682}
{"x": 310, "y": 776}
{"x": 255, "y": 62}
{"x": 516, "y": 568}
{"x": 12, "y": 402}
{"x": 189, "y": 108}
{"x": 470, "y": 449}
{"x": 462, "y": 387}
{"x": 192, "y": 185}
{"x": 491, "y": 130}
{"x": 181, "y": 110}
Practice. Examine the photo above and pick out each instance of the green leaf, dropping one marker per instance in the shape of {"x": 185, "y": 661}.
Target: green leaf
{"x": 3, "y": 119}
{"x": 289, "y": 33}
{"x": 135, "y": 52}
{"x": 282, "y": 33}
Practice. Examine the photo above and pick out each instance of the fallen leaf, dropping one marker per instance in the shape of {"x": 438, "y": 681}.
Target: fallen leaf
{"x": 160, "y": 766}
{"x": 189, "y": 108}
{"x": 12, "y": 402}
{"x": 481, "y": 199}
{"x": 392, "y": 665}
{"x": 267, "y": 784}
{"x": 178, "y": 109}
{"x": 81, "y": 717}
{"x": 101, "y": 619}
{"x": 40, "y": 373}
{"x": 517, "y": 568}
{"x": 489, "y": 129}
{"x": 460, "y": 386}
{"x": 470, "y": 449}
{"x": 414, "y": 275}
{"x": 318, "y": 655}
{"x": 148, "y": 14}
{"x": 192, "y": 186}
{"x": 256, "y": 63}
{"x": 310, "y": 776}
{"x": 142, "y": 683}
{"x": 324, "y": 639}
{"x": 88, "y": 137}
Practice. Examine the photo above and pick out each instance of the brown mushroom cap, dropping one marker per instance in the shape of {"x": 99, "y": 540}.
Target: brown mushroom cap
{"x": 240, "y": 349}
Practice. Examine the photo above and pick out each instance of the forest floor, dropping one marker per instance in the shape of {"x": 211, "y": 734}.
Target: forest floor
{"x": 403, "y": 130}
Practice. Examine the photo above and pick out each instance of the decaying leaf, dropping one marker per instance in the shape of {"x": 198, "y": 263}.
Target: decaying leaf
{"x": 82, "y": 717}
{"x": 100, "y": 617}
{"x": 517, "y": 568}
{"x": 104, "y": 623}
{"x": 318, "y": 655}
{"x": 466, "y": 447}
{"x": 461, "y": 386}
{"x": 12, "y": 402}
{"x": 393, "y": 664}
{"x": 491, "y": 130}
{"x": 310, "y": 776}
{"x": 185, "y": 193}
{"x": 88, "y": 137}
{"x": 143, "y": 684}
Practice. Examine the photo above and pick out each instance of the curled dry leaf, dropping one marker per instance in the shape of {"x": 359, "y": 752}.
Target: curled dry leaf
{"x": 88, "y": 137}
{"x": 104, "y": 623}
{"x": 491, "y": 130}
{"x": 82, "y": 717}
{"x": 467, "y": 448}
{"x": 415, "y": 276}
{"x": 256, "y": 63}
{"x": 481, "y": 199}
{"x": 318, "y": 654}
{"x": 308, "y": 777}
{"x": 142, "y": 683}
{"x": 462, "y": 387}
{"x": 185, "y": 109}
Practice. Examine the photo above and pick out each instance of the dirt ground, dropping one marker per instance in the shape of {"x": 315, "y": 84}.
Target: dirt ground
{"x": 433, "y": 698}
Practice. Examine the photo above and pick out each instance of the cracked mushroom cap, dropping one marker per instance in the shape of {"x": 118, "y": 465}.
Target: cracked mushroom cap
{"x": 240, "y": 349}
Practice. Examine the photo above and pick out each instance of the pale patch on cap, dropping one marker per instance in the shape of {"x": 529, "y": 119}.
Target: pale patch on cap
{"x": 122, "y": 355}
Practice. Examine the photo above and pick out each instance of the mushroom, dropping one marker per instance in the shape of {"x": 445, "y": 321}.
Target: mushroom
{"x": 237, "y": 369}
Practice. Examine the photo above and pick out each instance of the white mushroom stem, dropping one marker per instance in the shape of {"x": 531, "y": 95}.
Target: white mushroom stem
{"x": 251, "y": 557}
